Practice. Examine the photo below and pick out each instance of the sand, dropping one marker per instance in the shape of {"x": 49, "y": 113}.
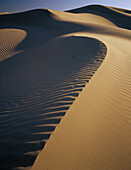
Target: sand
{"x": 65, "y": 89}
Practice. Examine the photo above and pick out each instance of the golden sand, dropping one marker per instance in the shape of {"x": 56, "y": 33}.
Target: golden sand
{"x": 66, "y": 84}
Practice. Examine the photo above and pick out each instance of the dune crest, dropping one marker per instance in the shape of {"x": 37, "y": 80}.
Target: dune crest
{"x": 116, "y": 15}
{"x": 10, "y": 39}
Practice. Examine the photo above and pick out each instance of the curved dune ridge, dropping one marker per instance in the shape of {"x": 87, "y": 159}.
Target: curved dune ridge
{"x": 47, "y": 57}
{"x": 95, "y": 132}
{"x": 38, "y": 86}
{"x": 10, "y": 39}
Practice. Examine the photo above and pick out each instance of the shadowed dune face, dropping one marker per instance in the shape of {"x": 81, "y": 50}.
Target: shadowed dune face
{"x": 37, "y": 88}
{"x": 33, "y": 17}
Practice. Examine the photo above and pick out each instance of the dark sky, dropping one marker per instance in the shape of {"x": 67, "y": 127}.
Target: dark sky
{"x": 23, "y": 5}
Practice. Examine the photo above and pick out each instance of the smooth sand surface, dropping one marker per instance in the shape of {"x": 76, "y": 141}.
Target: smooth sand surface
{"x": 47, "y": 58}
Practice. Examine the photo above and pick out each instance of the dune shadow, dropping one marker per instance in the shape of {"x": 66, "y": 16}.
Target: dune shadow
{"x": 114, "y": 15}
{"x": 31, "y": 21}
{"x": 38, "y": 86}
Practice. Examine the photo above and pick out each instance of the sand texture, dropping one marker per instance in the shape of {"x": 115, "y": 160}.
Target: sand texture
{"x": 65, "y": 89}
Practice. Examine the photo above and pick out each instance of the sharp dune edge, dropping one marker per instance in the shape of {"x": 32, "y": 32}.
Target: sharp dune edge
{"x": 65, "y": 89}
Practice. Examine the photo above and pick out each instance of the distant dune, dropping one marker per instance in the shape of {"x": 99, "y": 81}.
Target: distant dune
{"x": 65, "y": 89}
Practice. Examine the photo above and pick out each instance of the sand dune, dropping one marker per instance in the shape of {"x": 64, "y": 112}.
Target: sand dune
{"x": 47, "y": 58}
{"x": 10, "y": 39}
{"x": 118, "y": 16}
{"x": 95, "y": 132}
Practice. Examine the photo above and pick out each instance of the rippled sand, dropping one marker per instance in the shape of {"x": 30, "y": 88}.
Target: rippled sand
{"x": 47, "y": 58}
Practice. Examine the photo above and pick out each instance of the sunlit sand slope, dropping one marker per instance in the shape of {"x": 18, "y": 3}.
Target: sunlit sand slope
{"x": 95, "y": 132}
{"x": 49, "y": 56}
{"x": 9, "y": 40}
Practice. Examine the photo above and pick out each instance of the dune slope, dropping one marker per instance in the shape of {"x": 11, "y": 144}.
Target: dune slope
{"x": 44, "y": 73}
{"x": 95, "y": 132}
{"x": 47, "y": 58}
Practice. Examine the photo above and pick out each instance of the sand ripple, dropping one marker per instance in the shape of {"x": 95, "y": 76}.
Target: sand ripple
{"x": 37, "y": 88}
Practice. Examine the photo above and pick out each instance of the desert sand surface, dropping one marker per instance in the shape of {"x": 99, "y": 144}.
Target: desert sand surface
{"x": 65, "y": 89}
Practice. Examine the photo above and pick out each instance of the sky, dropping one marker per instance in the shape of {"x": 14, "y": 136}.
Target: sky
{"x": 62, "y": 5}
